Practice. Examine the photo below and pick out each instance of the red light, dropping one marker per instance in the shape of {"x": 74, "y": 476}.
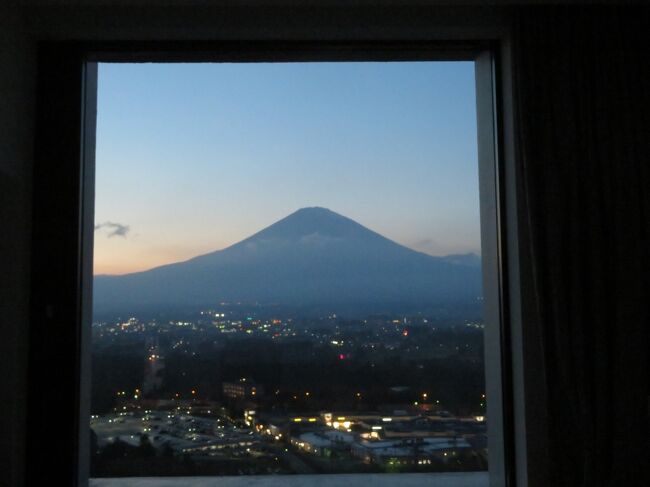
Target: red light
{"x": 341, "y": 356}
{"x": 405, "y": 333}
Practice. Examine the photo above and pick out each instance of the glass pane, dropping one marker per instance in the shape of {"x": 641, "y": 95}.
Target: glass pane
{"x": 287, "y": 269}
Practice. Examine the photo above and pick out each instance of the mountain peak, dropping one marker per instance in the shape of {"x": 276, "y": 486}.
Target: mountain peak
{"x": 314, "y": 210}
{"x": 314, "y": 220}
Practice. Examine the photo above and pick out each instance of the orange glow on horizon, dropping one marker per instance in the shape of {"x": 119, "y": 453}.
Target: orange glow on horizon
{"x": 114, "y": 261}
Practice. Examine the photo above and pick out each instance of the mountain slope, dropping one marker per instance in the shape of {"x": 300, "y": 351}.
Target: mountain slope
{"x": 312, "y": 257}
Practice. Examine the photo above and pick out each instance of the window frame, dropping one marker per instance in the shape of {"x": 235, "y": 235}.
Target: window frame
{"x": 64, "y": 227}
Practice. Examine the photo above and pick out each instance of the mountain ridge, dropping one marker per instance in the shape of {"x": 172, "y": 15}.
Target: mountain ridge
{"x": 312, "y": 256}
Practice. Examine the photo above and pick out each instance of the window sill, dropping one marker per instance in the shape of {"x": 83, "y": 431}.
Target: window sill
{"x": 460, "y": 479}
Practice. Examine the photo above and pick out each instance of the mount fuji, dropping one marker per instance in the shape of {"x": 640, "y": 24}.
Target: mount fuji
{"x": 313, "y": 257}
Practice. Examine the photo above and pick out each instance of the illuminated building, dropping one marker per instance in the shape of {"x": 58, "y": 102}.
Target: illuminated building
{"x": 242, "y": 389}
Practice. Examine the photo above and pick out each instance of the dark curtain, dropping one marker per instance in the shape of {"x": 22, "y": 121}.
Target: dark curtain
{"x": 581, "y": 92}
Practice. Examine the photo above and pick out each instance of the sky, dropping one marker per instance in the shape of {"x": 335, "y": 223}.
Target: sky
{"x": 192, "y": 158}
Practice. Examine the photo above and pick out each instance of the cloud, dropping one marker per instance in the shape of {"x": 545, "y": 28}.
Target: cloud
{"x": 114, "y": 229}
{"x": 428, "y": 246}
{"x": 437, "y": 248}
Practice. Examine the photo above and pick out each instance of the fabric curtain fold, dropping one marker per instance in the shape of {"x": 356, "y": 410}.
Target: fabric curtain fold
{"x": 581, "y": 92}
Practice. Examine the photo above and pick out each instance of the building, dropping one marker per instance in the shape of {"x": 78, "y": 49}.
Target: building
{"x": 410, "y": 452}
{"x": 243, "y": 389}
{"x": 322, "y": 442}
{"x": 313, "y": 442}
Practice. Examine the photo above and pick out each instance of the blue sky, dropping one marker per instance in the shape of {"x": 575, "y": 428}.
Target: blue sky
{"x": 195, "y": 157}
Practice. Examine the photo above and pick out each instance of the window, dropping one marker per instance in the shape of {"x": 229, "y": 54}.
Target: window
{"x": 240, "y": 387}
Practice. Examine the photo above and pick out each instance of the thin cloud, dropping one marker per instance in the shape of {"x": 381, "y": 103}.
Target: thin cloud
{"x": 114, "y": 229}
{"x": 434, "y": 247}
{"x": 429, "y": 246}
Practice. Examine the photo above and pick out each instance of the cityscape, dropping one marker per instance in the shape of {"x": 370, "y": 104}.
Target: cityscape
{"x": 236, "y": 390}
{"x": 287, "y": 273}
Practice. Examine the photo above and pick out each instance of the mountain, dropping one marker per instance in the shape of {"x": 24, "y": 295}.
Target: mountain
{"x": 313, "y": 257}
{"x": 470, "y": 260}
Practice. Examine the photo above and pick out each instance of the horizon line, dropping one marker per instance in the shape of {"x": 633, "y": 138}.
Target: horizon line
{"x": 301, "y": 209}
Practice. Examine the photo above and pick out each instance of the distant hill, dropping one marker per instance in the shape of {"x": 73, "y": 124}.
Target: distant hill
{"x": 313, "y": 257}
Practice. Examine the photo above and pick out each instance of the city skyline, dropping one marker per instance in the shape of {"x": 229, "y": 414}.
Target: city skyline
{"x": 210, "y": 154}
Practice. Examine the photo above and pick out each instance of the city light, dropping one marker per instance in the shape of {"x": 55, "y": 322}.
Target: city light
{"x": 278, "y": 305}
